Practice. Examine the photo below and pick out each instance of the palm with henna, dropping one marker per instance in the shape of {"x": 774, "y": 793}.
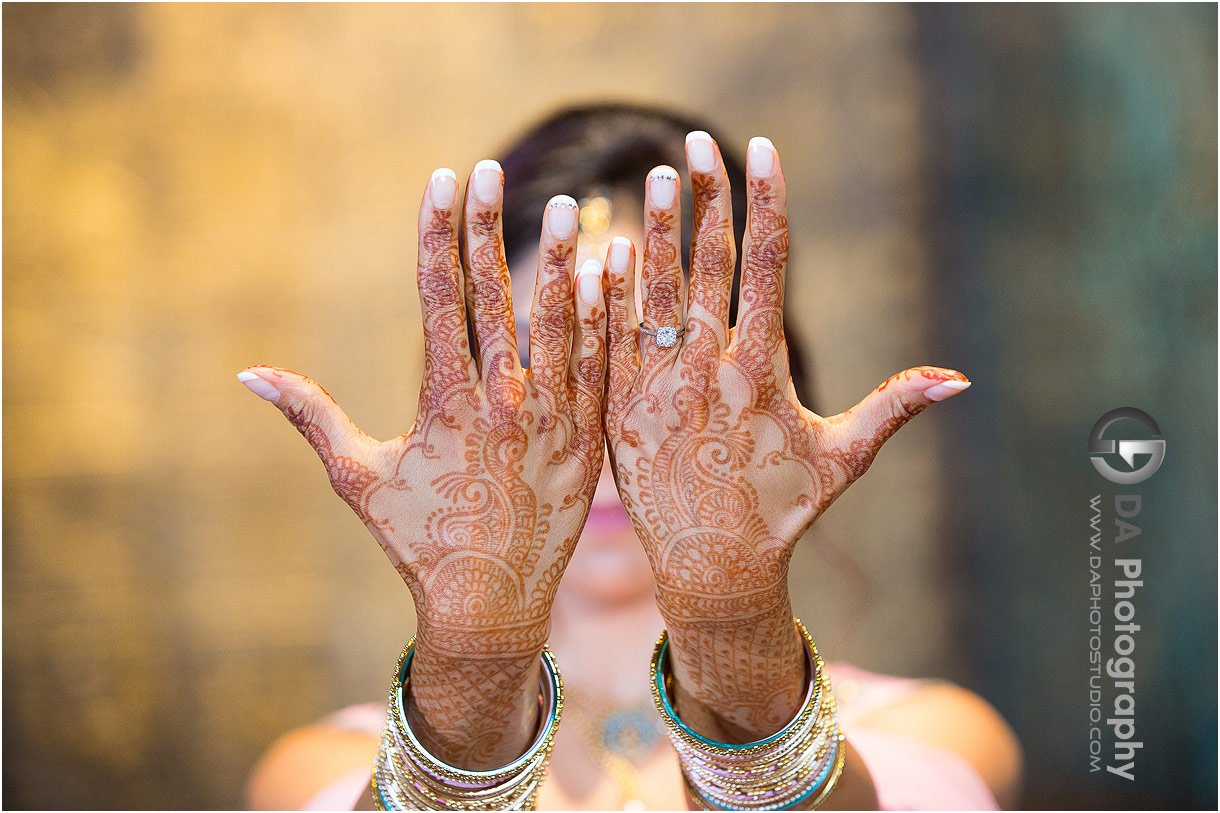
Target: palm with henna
{"x": 718, "y": 464}
{"x": 478, "y": 506}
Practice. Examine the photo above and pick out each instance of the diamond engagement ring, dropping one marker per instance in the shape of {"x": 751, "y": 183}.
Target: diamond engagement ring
{"x": 665, "y": 336}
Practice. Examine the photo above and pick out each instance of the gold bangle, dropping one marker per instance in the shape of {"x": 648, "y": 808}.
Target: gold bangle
{"x": 407, "y": 776}
{"x": 782, "y": 771}
{"x": 661, "y": 698}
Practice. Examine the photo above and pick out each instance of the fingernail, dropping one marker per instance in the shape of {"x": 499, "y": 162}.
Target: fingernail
{"x": 588, "y": 281}
{"x": 945, "y": 389}
{"x": 259, "y": 387}
{"x": 444, "y": 188}
{"x": 561, "y": 216}
{"x": 761, "y": 156}
{"x": 620, "y": 255}
{"x": 663, "y": 187}
{"x": 700, "y": 152}
{"x": 488, "y": 177}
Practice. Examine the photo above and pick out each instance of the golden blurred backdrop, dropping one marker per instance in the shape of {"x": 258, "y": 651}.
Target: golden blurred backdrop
{"x": 190, "y": 189}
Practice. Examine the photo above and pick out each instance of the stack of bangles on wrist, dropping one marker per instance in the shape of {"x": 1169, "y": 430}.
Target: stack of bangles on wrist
{"x": 407, "y": 777}
{"x": 796, "y": 767}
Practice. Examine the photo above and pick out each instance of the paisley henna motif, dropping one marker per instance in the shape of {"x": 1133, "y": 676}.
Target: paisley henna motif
{"x": 722, "y": 469}
{"x": 509, "y": 493}
{"x": 478, "y": 506}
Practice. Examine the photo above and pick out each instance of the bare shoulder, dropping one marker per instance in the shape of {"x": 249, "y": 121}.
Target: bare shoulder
{"x": 960, "y": 721}
{"x": 304, "y": 761}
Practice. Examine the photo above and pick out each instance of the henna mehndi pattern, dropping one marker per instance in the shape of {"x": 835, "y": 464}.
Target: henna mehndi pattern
{"x": 479, "y": 506}
{"x": 720, "y": 467}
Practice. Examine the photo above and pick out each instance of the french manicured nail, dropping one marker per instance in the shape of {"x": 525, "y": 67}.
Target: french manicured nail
{"x": 700, "y": 152}
{"x": 620, "y": 255}
{"x": 561, "y": 216}
{"x": 945, "y": 389}
{"x": 761, "y": 156}
{"x": 444, "y": 188}
{"x": 588, "y": 281}
{"x": 488, "y": 177}
{"x": 259, "y": 387}
{"x": 663, "y": 187}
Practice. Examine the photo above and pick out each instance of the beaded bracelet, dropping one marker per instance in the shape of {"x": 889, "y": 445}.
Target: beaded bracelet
{"x": 798, "y": 766}
{"x": 407, "y": 777}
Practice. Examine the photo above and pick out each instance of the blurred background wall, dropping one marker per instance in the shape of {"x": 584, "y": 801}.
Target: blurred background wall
{"x": 1027, "y": 194}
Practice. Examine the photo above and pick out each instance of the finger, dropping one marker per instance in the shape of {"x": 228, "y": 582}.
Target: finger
{"x": 662, "y": 277}
{"x": 623, "y": 332}
{"x": 713, "y": 253}
{"x": 311, "y": 410}
{"x": 587, "y": 369}
{"x": 448, "y": 381}
{"x": 869, "y": 424}
{"x": 489, "y": 290}
{"x": 759, "y": 337}
{"x": 551, "y": 314}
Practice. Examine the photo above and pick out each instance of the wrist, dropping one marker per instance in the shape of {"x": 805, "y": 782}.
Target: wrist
{"x": 684, "y": 603}
{"x": 473, "y": 698}
{"x": 408, "y": 775}
{"x": 738, "y": 661}
{"x": 493, "y": 637}
{"x": 795, "y": 768}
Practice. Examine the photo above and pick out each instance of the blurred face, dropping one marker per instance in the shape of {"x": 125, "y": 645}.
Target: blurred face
{"x": 609, "y": 564}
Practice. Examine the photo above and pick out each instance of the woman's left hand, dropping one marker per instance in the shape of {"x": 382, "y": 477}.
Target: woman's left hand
{"x": 717, "y": 462}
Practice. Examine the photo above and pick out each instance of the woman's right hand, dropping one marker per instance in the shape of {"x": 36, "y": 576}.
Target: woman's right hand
{"x": 480, "y": 504}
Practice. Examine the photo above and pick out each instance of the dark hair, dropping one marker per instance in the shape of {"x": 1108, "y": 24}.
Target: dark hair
{"x": 593, "y": 149}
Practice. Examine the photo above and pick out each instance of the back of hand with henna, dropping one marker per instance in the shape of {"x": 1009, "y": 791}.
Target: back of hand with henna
{"x": 480, "y": 504}
{"x": 719, "y": 466}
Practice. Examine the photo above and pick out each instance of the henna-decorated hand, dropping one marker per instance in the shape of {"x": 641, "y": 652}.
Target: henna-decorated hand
{"x": 480, "y": 504}
{"x": 720, "y": 467}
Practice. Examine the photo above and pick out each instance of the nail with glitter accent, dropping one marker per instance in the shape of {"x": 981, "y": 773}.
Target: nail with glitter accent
{"x": 663, "y": 187}
{"x": 561, "y": 216}
{"x": 945, "y": 389}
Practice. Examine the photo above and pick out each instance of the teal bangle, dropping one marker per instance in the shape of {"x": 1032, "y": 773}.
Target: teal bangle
{"x": 796, "y": 767}
{"x": 832, "y": 769}
{"x": 551, "y": 697}
{"x": 407, "y": 777}
{"x": 809, "y": 707}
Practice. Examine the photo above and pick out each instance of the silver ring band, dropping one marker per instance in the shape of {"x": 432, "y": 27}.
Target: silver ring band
{"x": 665, "y": 336}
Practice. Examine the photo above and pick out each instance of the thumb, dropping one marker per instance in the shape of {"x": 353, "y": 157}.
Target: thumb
{"x": 310, "y": 409}
{"x": 873, "y": 421}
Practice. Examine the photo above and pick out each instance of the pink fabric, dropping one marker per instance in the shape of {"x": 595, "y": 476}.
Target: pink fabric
{"x": 909, "y": 774}
{"x": 914, "y": 775}
{"x": 342, "y": 793}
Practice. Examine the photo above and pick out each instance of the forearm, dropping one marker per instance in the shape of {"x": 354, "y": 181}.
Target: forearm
{"x": 473, "y": 695}
{"x": 739, "y": 665}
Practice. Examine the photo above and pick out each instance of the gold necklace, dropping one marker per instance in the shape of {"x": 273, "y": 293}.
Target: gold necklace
{"x": 620, "y": 738}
